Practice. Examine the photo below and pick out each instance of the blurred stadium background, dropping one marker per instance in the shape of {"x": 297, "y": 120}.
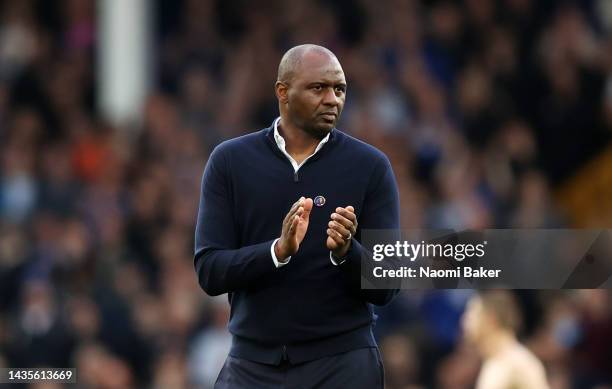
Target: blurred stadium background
{"x": 495, "y": 114}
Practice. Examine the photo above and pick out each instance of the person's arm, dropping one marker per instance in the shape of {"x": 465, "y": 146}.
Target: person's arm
{"x": 380, "y": 211}
{"x": 221, "y": 265}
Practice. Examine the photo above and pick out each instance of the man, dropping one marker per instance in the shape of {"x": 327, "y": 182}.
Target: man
{"x": 299, "y": 317}
{"x": 490, "y": 323}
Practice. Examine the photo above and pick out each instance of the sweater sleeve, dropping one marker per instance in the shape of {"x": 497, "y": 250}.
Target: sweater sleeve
{"x": 222, "y": 266}
{"x": 380, "y": 212}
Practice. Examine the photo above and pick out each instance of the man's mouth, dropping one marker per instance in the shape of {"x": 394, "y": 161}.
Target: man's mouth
{"x": 331, "y": 116}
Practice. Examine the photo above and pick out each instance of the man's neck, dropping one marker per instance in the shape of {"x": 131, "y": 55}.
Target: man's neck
{"x": 496, "y": 343}
{"x": 298, "y": 143}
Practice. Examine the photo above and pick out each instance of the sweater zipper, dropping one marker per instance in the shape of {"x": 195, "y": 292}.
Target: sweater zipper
{"x": 313, "y": 157}
{"x": 296, "y": 174}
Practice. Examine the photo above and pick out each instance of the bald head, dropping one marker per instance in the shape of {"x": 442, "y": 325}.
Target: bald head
{"x": 292, "y": 60}
{"x": 311, "y": 89}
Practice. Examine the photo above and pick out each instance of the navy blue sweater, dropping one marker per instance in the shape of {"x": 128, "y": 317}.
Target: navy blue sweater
{"x": 308, "y": 308}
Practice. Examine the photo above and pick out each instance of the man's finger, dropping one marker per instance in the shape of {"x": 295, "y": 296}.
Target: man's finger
{"x": 295, "y": 205}
{"x": 342, "y": 220}
{"x": 339, "y": 228}
{"x": 331, "y": 243}
{"x": 293, "y": 225}
{"x": 293, "y": 209}
{"x": 335, "y": 235}
{"x": 347, "y": 214}
{"x": 296, "y": 214}
{"x": 307, "y": 208}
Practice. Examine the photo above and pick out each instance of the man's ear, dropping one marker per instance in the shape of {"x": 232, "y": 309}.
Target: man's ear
{"x": 282, "y": 92}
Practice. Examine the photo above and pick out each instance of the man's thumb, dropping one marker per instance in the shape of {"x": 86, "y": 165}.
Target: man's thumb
{"x": 307, "y": 208}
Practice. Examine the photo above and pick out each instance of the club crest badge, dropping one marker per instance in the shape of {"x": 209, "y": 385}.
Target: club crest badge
{"x": 319, "y": 201}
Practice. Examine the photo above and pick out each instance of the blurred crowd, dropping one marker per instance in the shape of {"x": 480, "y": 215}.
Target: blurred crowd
{"x": 484, "y": 107}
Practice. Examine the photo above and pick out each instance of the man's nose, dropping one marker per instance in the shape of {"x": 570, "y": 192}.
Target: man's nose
{"x": 330, "y": 97}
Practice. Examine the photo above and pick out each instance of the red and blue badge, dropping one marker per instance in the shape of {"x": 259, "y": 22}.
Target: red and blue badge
{"x": 319, "y": 201}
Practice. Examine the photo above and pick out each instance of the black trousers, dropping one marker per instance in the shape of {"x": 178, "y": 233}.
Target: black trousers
{"x": 356, "y": 369}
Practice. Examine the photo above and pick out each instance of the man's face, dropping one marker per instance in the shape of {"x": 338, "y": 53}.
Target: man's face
{"x": 316, "y": 94}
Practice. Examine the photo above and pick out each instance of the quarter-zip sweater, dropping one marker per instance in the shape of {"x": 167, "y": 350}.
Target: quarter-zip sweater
{"x": 309, "y": 308}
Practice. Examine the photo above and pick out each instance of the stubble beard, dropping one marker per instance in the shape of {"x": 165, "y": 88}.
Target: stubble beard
{"x": 317, "y": 133}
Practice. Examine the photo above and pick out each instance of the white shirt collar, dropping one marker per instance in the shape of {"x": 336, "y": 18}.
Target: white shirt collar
{"x": 280, "y": 142}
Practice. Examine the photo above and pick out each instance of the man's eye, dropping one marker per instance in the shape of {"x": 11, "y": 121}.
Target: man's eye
{"x": 317, "y": 87}
{"x": 340, "y": 89}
